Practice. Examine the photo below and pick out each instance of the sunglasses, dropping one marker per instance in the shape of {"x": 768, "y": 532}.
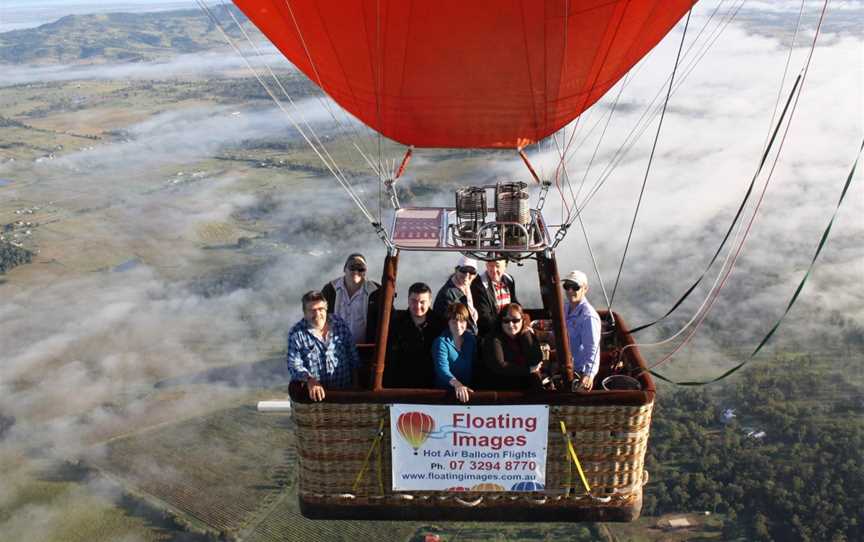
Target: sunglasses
{"x": 358, "y": 268}
{"x": 511, "y": 320}
{"x": 467, "y": 270}
{"x": 572, "y": 286}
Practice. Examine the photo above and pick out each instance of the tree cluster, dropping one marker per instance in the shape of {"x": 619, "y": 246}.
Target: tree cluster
{"x": 11, "y": 256}
{"x": 799, "y": 480}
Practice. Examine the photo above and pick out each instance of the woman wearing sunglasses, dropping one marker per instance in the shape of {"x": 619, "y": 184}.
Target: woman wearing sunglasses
{"x": 453, "y": 353}
{"x": 511, "y": 355}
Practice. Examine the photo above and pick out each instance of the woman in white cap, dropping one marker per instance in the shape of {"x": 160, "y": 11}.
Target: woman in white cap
{"x": 457, "y": 289}
{"x": 583, "y": 328}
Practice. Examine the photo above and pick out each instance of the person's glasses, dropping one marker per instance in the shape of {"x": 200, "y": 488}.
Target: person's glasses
{"x": 358, "y": 268}
{"x": 511, "y": 320}
{"x": 467, "y": 270}
{"x": 572, "y": 286}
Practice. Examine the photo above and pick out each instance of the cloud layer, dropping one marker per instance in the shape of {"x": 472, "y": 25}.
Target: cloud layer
{"x": 81, "y": 354}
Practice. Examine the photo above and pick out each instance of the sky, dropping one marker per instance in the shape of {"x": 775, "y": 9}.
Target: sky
{"x": 116, "y": 334}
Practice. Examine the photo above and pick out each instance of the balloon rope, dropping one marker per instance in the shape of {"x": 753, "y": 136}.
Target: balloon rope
{"x": 713, "y": 296}
{"x": 823, "y": 240}
{"x": 566, "y": 156}
{"x": 346, "y": 185}
{"x": 771, "y": 138}
{"x": 324, "y": 101}
{"x": 285, "y": 93}
{"x": 645, "y": 119}
{"x": 650, "y": 160}
{"x": 375, "y": 445}
{"x": 572, "y": 455}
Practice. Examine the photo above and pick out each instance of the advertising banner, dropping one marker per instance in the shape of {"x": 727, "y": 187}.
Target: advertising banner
{"x": 469, "y": 448}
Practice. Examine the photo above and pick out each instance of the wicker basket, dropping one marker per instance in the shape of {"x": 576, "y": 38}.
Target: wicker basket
{"x": 336, "y": 442}
{"x": 345, "y": 467}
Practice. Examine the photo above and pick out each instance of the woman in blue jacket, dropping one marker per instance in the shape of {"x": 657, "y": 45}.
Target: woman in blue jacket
{"x": 453, "y": 353}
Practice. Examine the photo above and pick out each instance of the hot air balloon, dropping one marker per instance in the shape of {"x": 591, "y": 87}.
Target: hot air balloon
{"x": 449, "y": 73}
{"x": 487, "y": 487}
{"x": 500, "y": 74}
{"x": 415, "y": 428}
{"x": 527, "y": 486}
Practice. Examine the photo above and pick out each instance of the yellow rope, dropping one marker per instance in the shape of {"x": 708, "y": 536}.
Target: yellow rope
{"x": 569, "y": 485}
{"x": 375, "y": 445}
{"x": 575, "y": 458}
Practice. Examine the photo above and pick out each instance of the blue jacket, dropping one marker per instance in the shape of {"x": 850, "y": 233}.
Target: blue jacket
{"x": 583, "y": 327}
{"x": 450, "y": 363}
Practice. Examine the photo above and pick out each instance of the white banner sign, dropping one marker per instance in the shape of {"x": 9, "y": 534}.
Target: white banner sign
{"x": 469, "y": 448}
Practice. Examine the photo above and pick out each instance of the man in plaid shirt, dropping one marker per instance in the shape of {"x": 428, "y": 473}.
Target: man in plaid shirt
{"x": 321, "y": 350}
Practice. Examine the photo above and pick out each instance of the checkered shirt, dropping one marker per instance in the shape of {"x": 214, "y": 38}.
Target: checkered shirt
{"x": 331, "y": 362}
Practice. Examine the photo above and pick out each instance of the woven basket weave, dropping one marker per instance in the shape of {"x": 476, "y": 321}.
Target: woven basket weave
{"x": 334, "y": 440}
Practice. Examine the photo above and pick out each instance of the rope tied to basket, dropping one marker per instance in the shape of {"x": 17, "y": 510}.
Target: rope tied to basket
{"x": 572, "y": 455}
{"x": 374, "y": 448}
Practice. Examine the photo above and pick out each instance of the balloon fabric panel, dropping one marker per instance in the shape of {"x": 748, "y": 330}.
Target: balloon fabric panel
{"x": 450, "y": 73}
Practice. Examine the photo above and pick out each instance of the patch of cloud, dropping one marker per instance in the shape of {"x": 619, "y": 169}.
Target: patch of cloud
{"x": 106, "y": 339}
{"x": 711, "y": 143}
{"x": 198, "y": 65}
{"x": 186, "y": 135}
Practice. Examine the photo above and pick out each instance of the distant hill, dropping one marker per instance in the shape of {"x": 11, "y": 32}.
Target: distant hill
{"x": 117, "y": 37}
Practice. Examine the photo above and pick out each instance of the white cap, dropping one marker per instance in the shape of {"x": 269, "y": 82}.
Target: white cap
{"x": 578, "y": 277}
{"x": 465, "y": 261}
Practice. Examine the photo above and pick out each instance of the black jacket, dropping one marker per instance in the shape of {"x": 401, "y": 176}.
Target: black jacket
{"x": 484, "y": 301}
{"x": 409, "y": 351}
{"x": 450, "y": 293}
{"x": 500, "y": 370}
{"x": 372, "y": 306}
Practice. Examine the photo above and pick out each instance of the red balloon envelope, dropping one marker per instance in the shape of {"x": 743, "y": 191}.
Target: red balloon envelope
{"x": 415, "y": 428}
{"x": 465, "y": 73}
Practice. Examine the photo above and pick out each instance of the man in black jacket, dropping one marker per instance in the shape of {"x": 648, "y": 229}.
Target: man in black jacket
{"x": 492, "y": 291}
{"x": 409, "y": 353}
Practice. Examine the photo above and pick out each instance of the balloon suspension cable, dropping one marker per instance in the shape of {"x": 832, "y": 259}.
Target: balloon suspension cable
{"x": 578, "y": 119}
{"x": 714, "y": 295}
{"x": 650, "y": 160}
{"x": 651, "y": 111}
{"x": 527, "y": 162}
{"x": 785, "y": 73}
{"x": 771, "y": 138}
{"x": 279, "y": 84}
{"x": 596, "y": 267}
{"x": 325, "y": 102}
{"x": 729, "y": 261}
{"x": 320, "y": 153}
{"x": 390, "y": 183}
{"x": 567, "y": 154}
{"x": 348, "y": 127}
{"x": 822, "y": 241}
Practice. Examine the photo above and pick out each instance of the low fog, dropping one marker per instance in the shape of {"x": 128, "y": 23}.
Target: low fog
{"x": 202, "y": 65}
{"x": 82, "y": 353}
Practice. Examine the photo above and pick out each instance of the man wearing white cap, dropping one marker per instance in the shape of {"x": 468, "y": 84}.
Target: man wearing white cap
{"x": 583, "y": 328}
{"x": 457, "y": 289}
{"x": 354, "y": 299}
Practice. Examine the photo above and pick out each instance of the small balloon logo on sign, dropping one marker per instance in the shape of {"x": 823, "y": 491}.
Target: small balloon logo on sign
{"x": 527, "y": 486}
{"x": 487, "y": 487}
{"x": 415, "y": 428}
